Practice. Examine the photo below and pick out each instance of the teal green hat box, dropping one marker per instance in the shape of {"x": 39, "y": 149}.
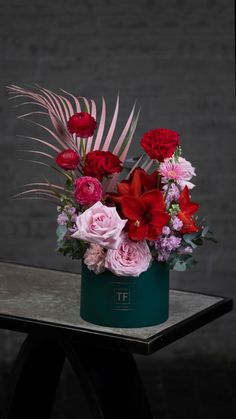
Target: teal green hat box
{"x": 125, "y": 301}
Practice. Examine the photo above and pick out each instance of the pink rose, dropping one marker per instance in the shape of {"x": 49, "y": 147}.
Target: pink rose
{"x": 88, "y": 190}
{"x": 94, "y": 258}
{"x": 130, "y": 259}
{"x": 100, "y": 225}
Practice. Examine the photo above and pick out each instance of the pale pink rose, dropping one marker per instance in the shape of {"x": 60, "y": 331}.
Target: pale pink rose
{"x": 101, "y": 225}
{"x": 87, "y": 190}
{"x": 130, "y": 259}
{"x": 94, "y": 258}
{"x": 181, "y": 172}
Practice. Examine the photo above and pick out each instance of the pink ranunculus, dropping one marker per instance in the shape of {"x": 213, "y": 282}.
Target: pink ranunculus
{"x": 129, "y": 259}
{"x": 101, "y": 225}
{"x": 94, "y": 258}
{"x": 88, "y": 190}
{"x": 181, "y": 172}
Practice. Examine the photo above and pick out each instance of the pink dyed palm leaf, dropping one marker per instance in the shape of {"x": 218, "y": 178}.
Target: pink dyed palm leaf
{"x": 59, "y": 108}
{"x": 42, "y": 188}
{"x": 111, "y": 130}
{"x": 88, "y": 144}
{"x": 123, "y": 145}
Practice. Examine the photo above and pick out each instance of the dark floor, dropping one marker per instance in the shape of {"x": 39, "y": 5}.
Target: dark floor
{"x": 191, "y": 388}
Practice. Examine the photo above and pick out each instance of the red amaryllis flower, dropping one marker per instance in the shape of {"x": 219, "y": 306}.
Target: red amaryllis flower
{"x": 101, "y": 163}
{"x": 146, "y": 215}
{"x": 160, "y": 143}
{"x": 138, "y": 183}
{"x": 82, "y": 124}
{"x": 187, "y": 209}
{"x": 68, "y": 159}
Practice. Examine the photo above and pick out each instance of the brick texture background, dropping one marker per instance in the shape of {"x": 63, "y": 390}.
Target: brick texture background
{"x": 176, "y": 58}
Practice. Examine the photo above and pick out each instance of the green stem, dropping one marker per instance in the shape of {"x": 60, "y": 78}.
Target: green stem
{"x": 83, "y": 148}
{"x": 158, "y": 176}
{"x": 167, "y": 190}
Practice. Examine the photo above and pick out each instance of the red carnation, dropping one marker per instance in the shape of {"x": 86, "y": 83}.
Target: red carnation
{"x": 68, "y": 159}
{"x": 101, "y": 163}
{"x": 160, "y": 143}
{"x": 82, "y": 124}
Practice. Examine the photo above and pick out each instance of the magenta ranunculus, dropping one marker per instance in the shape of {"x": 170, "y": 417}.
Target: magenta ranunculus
{"x": 88, "y": 190}
{"x": 130, "y": 259}
{"x": 101, "y": 225}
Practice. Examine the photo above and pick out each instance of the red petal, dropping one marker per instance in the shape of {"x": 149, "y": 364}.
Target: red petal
{"x": 191, "y": 208}
{"x": 153, "y": 232}
{"x": 185, "y": 204}
{"x": 132, "y": 207}
{"x": 159, "y": 218}
{"x": 138, "y": 233}
{"x": 123, "y": 187}
{"x": 149, "y": 182}
{"x": 136, "y": 184}
{"x": 184, "y": 198}
{"x": 153, "y": 200}
{"x": 188, "y": 224}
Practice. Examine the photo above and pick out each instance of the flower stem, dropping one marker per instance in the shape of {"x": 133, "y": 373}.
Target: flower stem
{"x": 83, "y": 148}
{"x": 158, "y": 175}
{"x": 167, "y": 190}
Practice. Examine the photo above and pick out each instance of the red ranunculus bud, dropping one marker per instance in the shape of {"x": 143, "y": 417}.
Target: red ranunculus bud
{"x": 68, "y": 159}
{"x": 160, "y": 143}
{"x": 82, "y": 124}
{"x": 101, "y": 163}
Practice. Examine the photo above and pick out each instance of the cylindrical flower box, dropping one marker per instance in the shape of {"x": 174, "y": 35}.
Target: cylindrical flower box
{"x": 126, "y": 301}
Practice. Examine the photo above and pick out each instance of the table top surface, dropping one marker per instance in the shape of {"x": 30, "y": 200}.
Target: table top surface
{"x": 39, "y": 300}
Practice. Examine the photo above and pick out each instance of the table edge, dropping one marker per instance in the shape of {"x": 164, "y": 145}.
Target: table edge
{"x": 122, "y": 342}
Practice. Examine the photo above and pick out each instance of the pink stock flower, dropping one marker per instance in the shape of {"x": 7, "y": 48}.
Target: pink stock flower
{"x": 94, "y": 258}
{"x": 130, "y": 259}
{"x": 173, "y": 193}
{"x": 176, "y": 223}
{"x": 88, "y": 190}
{"x": 181, "y": 172}
{"x": 101, "y": 225}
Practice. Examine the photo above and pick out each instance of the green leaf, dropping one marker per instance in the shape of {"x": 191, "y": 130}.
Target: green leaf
{"x": 180, "y": 266}
{"x": 198, "y": 241}
{"x": 69, "y": 184}
{"x": 72, "y": 247}
{"x": 212, "y": 239}
{"x": 205, "y": 231}
{"x": 61, "y": 232}
{"x": 190, "y": 237}
{"x": 181, "y": 262}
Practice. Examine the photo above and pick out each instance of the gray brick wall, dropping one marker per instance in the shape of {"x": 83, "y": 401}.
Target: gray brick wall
{"x": 176, "y": 58}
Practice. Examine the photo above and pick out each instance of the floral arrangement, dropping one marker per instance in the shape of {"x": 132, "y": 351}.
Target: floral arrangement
{"x": 119, "y": 225}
